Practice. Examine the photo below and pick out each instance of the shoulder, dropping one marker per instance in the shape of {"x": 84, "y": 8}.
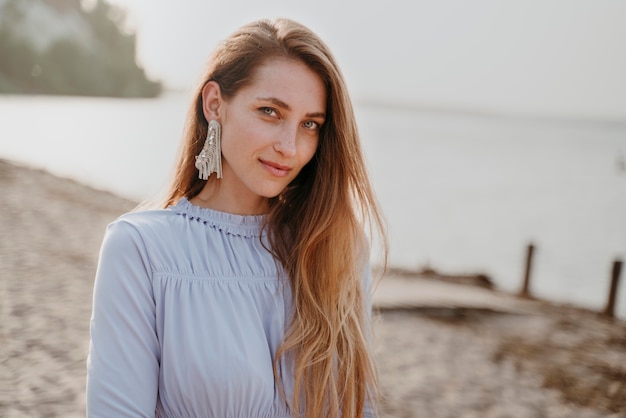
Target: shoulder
{"x": 138, "y": 229}
{"x": 140, "y": 238}
{"x": 145, "y": 218}
{"x": 143, "y": 222}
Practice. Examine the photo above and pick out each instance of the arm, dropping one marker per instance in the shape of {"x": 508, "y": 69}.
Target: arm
{"x": 123, "y": 362}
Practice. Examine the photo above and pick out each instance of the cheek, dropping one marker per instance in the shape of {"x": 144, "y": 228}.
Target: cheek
{"x": 309, "y": 151}
{"x": 239, "y": 141}
{"x": 228, "y": 147}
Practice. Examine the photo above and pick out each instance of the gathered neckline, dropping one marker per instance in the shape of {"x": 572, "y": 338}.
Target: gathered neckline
{"x": 230, "y": 223}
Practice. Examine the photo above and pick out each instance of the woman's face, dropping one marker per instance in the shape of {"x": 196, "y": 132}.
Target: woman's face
{"x": 270, "y": 131}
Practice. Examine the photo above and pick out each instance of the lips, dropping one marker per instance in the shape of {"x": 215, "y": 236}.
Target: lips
{"x": 275, "y": 169}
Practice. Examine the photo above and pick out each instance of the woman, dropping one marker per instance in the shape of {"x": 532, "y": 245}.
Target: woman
{"x": 247, "y": 296}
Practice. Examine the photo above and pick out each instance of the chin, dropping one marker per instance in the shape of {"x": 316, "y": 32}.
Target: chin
{"x": 269, "y": 189}
{"x": 272, "y": 194}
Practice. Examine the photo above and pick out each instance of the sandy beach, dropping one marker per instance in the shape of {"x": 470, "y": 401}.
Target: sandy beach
{"x": 504, "y": 358}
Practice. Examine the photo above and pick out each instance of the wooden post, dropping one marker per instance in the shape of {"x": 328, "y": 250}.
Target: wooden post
{"x": 610, "y": 303}
{"x": 529, "y": 262}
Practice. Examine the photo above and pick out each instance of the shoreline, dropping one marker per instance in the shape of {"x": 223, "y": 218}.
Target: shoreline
{"x": 436, "y": 361}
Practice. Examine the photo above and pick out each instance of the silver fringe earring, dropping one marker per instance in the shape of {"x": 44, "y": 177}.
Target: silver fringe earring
{"x": 210, "y": 158}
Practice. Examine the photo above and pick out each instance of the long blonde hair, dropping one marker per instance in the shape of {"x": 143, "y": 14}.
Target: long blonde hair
{"x": 317, "y": 227}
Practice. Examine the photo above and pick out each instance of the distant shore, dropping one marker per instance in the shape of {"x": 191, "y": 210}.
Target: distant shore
{"x": 62, "y": 47}
{"x": 435, "y": 361}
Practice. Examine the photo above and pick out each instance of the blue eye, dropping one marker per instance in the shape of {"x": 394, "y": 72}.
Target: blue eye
{"x": 309, "y": 124}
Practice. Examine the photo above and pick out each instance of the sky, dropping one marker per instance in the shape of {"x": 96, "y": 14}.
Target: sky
{"x": 558, "y": 58}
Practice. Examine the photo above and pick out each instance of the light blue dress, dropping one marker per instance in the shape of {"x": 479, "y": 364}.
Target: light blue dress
{"x": 188, "y": 311}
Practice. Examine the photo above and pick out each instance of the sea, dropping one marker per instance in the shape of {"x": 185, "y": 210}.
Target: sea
{"x": 462, "y": 192}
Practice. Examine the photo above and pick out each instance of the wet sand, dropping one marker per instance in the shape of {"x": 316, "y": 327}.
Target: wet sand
{"x": 434, "y": 360}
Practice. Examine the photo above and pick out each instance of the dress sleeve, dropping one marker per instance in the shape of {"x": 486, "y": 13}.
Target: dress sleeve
{"x": 124, "y": 355}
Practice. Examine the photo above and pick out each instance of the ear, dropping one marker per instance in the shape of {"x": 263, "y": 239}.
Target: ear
{"x": 212, "y": 101}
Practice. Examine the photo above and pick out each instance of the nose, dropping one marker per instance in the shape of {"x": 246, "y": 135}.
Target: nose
{"x": 286, "y": 142}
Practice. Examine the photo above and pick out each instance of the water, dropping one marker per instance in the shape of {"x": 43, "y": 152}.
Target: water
{"x": 462, "y": 193}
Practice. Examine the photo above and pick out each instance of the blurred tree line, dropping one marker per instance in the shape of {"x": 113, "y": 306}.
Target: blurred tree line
{"x": 106, "y": 67}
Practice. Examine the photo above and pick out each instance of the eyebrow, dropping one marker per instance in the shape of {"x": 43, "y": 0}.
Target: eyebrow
{"x": 284, "y": 105}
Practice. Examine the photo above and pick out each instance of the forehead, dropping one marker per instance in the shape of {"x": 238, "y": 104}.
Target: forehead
{"x": 289, "y": 80}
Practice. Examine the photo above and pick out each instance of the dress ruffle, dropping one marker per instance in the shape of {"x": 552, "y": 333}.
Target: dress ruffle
{"x": 239, "y": 225}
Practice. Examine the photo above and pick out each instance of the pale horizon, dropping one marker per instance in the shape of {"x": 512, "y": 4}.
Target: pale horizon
{"x": 556, "y": 58}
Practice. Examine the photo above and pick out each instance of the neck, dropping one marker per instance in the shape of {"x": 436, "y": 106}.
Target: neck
{"x": 214, "y": 196}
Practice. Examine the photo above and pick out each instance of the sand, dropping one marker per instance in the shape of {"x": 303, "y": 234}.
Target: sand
{"x": 434, "y": 360}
